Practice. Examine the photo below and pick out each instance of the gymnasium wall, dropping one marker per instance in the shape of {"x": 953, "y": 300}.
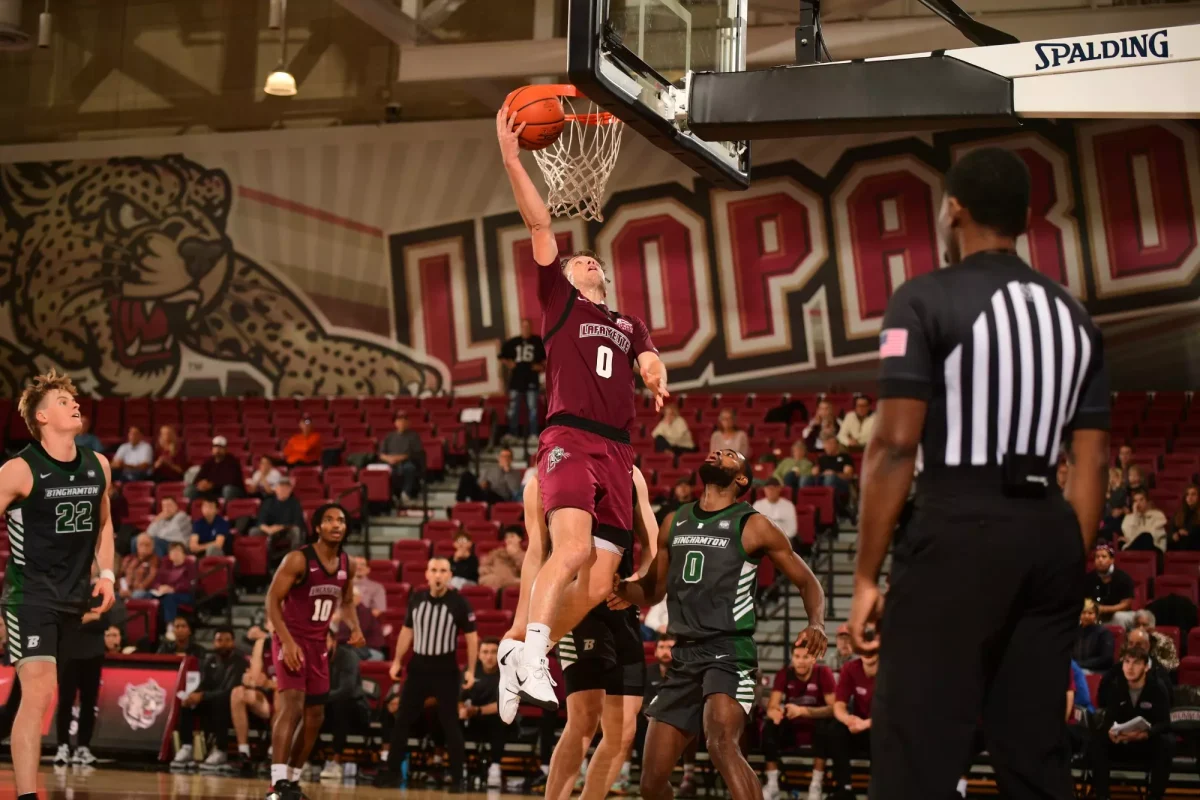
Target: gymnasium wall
{"x": 369, "y": 260}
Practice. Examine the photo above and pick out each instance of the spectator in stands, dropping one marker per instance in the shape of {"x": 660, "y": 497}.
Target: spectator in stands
{"x": 497, "y": 483}
{"x": 480, "y": 710}
{"x": 1125, "y": 460}
{"x": 209, "y": 532}
{"x": 857, "y": 427}
{"x": 170, "y": 525}
{"x": 672, "y": 432}
{"x": 1162, "y": 647}
{"x": 374, "y": 596}
{"x": 281, "y": 517}
{"x": 113, "y": 643}
{"x": 303, "y": 448}
{"x": 346, "y": 709}
{"x": 85, "y": 437}
{"x": 134, "y": 459}
{"x": 253, "y": 696}
{"x": 1134, "y": 479}
{"x": 177, "y": 585}
{"x": 139, "y": 569}
{"x": 264, "y": 480}
{"x": 501, "y": 567}
{"x": 834, "y": 469}
{"x": 1145, "y": 527}
{"x": 728, "y": 436}
{"x": 464, "y": 565}
{"x": 1094, "y": 646}
{"x": 219, "y": 476}
{"x": 403, "y": 452}
{"x": 118, "y": 506}
{"x": 843, "y": 651}
{"x": 1150, "y": 745}
{"x": 681, "y": 494}
{"x": 782, "y": 512}
{"x": 1185, "y": 525}
{"x": 1111, "y": 588}
{"x": 823, "y": 425}
{"x": 167, "y": 464}
{"x": 181, "y": 641}
{"x": 1116, "y": 504}
{"x": 525, "y": 357}
{"x": 654, "y": 625}
{"x": 1060, "y": 475}
{"x": 372, "y": 630}
{"x": 1114, "y": 680}
{"x": 851, "y": 736}
{"x": 220, "y": 671}
{"x": 801, "y": 707}
{"x": 792, "y": 470}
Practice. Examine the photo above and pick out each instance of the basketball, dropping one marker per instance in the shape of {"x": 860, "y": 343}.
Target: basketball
{"x": 542, "y": 114}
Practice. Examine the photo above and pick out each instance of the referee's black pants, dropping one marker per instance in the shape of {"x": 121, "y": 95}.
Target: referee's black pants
{"x": 78, "y": 676}
{"x": 437, "y": 677}
{"x": 980, "y": 617}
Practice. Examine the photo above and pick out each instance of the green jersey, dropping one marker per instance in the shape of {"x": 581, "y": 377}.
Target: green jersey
{"x": 53, "y": 532}
{"x": 711, "y": 582}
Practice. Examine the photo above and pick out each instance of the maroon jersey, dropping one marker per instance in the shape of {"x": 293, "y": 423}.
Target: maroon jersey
{"x": 590, "y": 354}
{"x": 808, "y": 691}
{"x": 310, "y": 604}
{"x": 856, "y": 689}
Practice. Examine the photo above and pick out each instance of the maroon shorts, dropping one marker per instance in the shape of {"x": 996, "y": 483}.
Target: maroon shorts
{"x": 313, "y": 675}
{"x": 578, "y": 469}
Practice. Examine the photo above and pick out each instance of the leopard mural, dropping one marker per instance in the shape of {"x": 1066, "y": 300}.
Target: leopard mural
{"x": 113, "y": 269}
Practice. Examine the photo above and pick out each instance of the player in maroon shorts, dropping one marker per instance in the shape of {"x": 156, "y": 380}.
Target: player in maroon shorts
{"x": 584, "y": 460}
{"x": 300, "y": 603}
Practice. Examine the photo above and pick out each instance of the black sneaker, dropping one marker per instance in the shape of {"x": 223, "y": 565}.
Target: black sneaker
{"x": 283, "y": 790}
{"x": 297, "y": 792}
{"x": 537, "y": 783}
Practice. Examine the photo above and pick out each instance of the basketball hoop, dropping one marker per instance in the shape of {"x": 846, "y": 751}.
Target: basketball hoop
{"x": 578, "y": 163}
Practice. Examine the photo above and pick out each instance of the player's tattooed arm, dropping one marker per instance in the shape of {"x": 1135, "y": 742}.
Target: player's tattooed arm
{"x": 529, "y": 202}
{"x": 762, "y": 536}
{"x": 286, "y": 576}
{"x": 650, "y": 588}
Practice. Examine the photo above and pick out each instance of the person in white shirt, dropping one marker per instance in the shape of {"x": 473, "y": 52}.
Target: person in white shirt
{"x": 672, "y": 433}
{"x": 262, "y": 483}
{"x": 1145, "y": 525}
{"x": 134, "y": 459}
{"x": 775, "y": 508}
{"x": 857, "y": 428}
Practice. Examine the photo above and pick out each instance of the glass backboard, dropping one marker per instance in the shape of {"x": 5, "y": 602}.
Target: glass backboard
{"x": 635, "y": 58}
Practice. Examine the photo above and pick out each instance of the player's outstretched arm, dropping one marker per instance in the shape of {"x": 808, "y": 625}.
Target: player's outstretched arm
{"x": 651, "y": 587}
{"x": 288, "y": 574}
{"x": 762, "y": 536}
{"x": 529, "y": 202}
{"x": 654, "y": 375}
{"x": 643, "y": 522}
{"x": 1087, "y": 479}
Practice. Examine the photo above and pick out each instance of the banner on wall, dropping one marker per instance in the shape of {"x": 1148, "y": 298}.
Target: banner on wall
{"x": 370, "y": 261}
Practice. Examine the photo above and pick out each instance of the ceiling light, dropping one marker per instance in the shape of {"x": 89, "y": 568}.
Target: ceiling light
{"x": 45, "y": 25}
{"x": 280, "y": 83}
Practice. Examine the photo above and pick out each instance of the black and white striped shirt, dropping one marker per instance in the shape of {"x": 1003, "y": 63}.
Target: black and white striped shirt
{"x": 1009, "y": 362}
{"x": 436, "y": 622}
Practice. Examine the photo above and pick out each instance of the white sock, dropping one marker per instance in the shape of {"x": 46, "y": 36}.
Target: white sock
{"x": 545, "y": 769}
{"x": 625, "y": 770}
{"x": 383, "y": 756}
{"x": 818, "y": 777}
{"x": 962, "y": 786}
{"x": 279, "y": 772}
{"x": 244, "y": 749}
{"x": 295, "y": 776}
{"x": 537, "y": 644}
{"x": 688, "y": 770}
{"x": 772, "y": 777}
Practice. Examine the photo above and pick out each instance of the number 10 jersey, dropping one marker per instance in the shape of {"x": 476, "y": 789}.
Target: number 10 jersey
{"x": 53, "y": 531}
{"x": 310, "y": 603}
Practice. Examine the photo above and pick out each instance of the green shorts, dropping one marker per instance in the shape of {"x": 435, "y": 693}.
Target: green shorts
{"x": 726, "y": 665}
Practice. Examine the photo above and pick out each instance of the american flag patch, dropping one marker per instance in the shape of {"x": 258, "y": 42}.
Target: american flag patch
{"x": 893, "y": 343}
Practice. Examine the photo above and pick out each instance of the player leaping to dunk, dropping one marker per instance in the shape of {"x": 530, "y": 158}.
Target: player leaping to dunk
{"x": 584, "y": 460}
{"x": 707, "y": 566}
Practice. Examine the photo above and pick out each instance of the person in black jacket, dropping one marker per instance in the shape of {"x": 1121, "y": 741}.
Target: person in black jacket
{"x": 281, "y": 517}
{"x": 1094, "y": 647}
{"x": 1152, "y": 746}
{"x": 346, "y": 710}
{"x": 220, "y": 671}
{"x": 184, "y": 644}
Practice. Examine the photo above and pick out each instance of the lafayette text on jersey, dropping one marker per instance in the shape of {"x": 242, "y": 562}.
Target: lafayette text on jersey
{"x": 1009, "y": 362}
{"x": 711, "y": 581}
{"x": 312, "y": 600}
{"x": 590, "y": 355}
{"x": 53, "y": 532}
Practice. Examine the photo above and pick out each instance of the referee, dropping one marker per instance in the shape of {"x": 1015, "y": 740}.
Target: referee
{"x": 435, "y": 618}
{"x": 987, "y": 370}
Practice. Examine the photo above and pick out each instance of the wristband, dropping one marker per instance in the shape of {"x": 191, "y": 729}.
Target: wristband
{"x": 107, "y": 574}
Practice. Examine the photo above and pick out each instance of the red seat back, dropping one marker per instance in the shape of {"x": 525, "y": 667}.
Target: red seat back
{"x": 469, "y": 512}
{"x": 1182, "y": 562}
{"x": 250, "y": 552}
{"x": 508, "y": 513}
{"x": 1189, "y": 671}
{"x": 141, "y": 620}
{"x": 215, "y": 574}
{"x": 1184, "y": 585}
{"x": 509, "y": 597}
{"x": 821, "y": 497}
{"x": 384, "y": 570}
{"x": 242, "y": 507}
{"x": 404, "y": 550}
{"x": 480, "y": 597}
{"x": 1172, "y": 633}
{"x": 806, "y": 523}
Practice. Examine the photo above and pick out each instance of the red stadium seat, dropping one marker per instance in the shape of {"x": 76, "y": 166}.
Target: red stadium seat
{"x": 405, "y": 550}
{"x": 435, "y": 454}
{"x": 1183, "y": 585}
{"x": 436, "y": 529}
{"x": 493, "y": 615}
{"x": 1172, "y": 633}
{"x": 138, "y": 491}
{"x": 820, "y": 497}
{"x": 170, "y": 489}
{"x": 1193, "y": 642}
{"x": 511, "y": 595}
{"x": 1145, "y": 558}
{"x": 443, "y": 549}
{"x": 480, "y": 597}
{"x": 215, "y": 573}
{"x": 485, "y": 546}
{"x": 377, "y": 673}
{"x": 1182, "y": 562}
{"x": 483, "y": 531}
{"x": 1189, "y": 671}
{"x": 492, "y": 628}
{"x": 340, "y": 474}
{"x": 242, "y": 507}
{"x": 378, "y": 483}
{"x": 413, "y": 572}
{"x": 384, "y": 570}
{"x": 397, "y": 595}
{"x": 508, "y": 513}
{"x": 806, "y": 523}
{"x": 141, "y": 620}
{"x": 469, "y": 512}
{"x": 305, "y": 477}
{"x": 250, "y": 552}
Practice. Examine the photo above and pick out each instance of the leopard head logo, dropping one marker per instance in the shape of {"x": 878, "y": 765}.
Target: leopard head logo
{"x": 142, "y": 704}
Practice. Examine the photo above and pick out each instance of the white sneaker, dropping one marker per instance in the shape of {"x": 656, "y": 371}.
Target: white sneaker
{"x": 183, "y": 756}
{"x": 534, "y": 685}
{"x": 332, "y": 771}
{"x": 771, "y": 791}
{"x": 63, "y": 756}
{"x": 83, "y": 757}
{"x": 509, "y": 655}
{"x": 815, "y": 791}
{"x": 216, "y": 759}
{"x": 495, "y": 779}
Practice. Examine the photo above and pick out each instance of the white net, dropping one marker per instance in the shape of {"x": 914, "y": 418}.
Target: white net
{"x": 576, "y": 167}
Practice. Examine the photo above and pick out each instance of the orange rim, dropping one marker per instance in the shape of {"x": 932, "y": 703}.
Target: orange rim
{"x": 601, "y": 118}
{"x": 569, "y": 90}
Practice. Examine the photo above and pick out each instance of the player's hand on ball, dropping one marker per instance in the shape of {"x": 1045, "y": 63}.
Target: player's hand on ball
{"x": 813, "y": 638}
{"x": 356, "y": 637}
{"x": 395, "y": 670}
{"x": 293, "y": 656}
{"x": 508, "y": 134}
{"x": 103, "y": 589}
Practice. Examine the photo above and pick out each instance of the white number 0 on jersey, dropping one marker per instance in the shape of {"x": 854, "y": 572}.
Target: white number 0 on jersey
{"x": 604, "y": 358}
